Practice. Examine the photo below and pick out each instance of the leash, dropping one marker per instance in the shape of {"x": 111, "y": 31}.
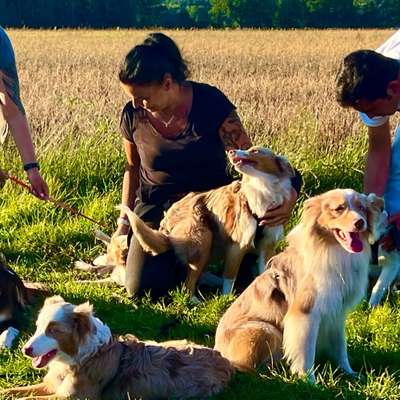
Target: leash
{"x": 57, "y": 203}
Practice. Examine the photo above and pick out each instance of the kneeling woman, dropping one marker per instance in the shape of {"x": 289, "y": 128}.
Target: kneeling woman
{"x": 175, "y": 134}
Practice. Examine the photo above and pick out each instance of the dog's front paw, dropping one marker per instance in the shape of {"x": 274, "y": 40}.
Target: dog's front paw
{"x": 7, "y": 337}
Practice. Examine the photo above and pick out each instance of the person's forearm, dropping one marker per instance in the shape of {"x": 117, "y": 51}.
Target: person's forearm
{"x": 130, "y": 185}
{"x": 378, "y": 160}
{"x": 376, "y": 174}
{"x": 20, "y": 130}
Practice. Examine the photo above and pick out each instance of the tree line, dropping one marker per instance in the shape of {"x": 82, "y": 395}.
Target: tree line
{"x": 200, "y": 13}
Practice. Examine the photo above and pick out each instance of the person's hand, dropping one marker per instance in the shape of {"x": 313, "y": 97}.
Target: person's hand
{"x": 122, "y": 229}
{"x": 387, "y": 241}
{"x": 38, "y": 185}
{"x": 280, "y": 215}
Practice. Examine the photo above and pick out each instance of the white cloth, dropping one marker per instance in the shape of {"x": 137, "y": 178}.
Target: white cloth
{"x": 391, "y": 48}
{"x": 392, "y": 191}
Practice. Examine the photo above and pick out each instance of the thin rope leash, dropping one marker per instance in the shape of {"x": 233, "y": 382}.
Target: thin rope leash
{"x": 57, "y": 203}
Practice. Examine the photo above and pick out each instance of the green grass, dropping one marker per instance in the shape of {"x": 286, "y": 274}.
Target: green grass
{"x": 42, "y": 243}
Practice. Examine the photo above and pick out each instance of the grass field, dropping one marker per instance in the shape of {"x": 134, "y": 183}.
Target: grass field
{"x": 282, "y": 85}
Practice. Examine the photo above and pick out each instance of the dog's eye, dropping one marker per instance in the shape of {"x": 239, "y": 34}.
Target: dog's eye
{"x": 52, "y": 330}
{"x": 340, "y": 208}
{"x": 362, "y": 208}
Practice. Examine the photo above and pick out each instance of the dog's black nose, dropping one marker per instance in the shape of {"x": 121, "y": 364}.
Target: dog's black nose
{"x": 359, "y": 224}
{"x": 28, "y": 351}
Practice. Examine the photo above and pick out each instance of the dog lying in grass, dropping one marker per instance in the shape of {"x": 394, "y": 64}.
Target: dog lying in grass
{"x": 112, "y": 262}
{"x": 15, "y": 295}
{"x": 221, "y": 224}
{"x": 297, "y": 308}
{"x": 85, "y": 362}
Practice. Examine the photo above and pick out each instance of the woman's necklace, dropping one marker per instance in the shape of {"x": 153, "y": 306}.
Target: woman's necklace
{"x": 169, "y": 122}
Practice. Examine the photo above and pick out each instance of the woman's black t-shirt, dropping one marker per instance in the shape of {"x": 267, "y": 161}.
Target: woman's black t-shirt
{"x": 194, "y": 161}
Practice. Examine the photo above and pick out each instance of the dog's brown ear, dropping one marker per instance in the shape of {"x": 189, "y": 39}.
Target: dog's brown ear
{"x": 53, "y": 300}
{"x": 81, "y": 318}
{"x": 284, "y": 166}
{"x": 311, "y": 209}
{"x": 376, "y": 216}
{"x": 376, "y": 201}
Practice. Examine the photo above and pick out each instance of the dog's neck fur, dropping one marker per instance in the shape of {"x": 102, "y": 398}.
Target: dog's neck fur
{"x": 331, "y": 265}
{"x": 264, "y": 191}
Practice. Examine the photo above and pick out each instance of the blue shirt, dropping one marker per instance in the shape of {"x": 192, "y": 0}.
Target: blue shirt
{"x": 9, "y": 69}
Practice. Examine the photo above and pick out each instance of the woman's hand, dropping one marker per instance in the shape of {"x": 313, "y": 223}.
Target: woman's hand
{"x": 122, "y": 229}
{"x": 38, "y": 185}
{"x": 281, "y": 214}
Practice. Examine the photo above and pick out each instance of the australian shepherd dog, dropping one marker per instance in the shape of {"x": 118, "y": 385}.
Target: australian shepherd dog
{"x": 221, "y": 224}
{"x": 297, "y": 308}
{"x": 85, "y": 362}
{"x": 112, "y": 262}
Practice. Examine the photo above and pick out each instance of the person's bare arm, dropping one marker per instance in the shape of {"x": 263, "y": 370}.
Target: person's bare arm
{"x": 378, "y": 159}
{"x": 130, "y": 182}
{"x": 233, "y": 134}
{"x": 19, "y": 127}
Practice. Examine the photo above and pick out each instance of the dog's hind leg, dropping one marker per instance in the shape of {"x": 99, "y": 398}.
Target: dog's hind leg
{"x": 233, "y": 259}
{"x": 389, "y": 272}
{"x": 198, "y": 256}
{"x": 252, "y": 344}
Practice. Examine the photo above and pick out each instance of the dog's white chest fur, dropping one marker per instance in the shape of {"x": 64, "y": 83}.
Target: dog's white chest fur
{"x": 340, "y": 282}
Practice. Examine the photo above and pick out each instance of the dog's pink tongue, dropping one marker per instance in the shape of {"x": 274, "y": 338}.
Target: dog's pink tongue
{"x": 355, "y": 242}
{"x": 42, "y": 361}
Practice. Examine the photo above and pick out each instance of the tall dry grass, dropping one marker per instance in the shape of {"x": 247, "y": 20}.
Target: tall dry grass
{"x": 282, "y": 82}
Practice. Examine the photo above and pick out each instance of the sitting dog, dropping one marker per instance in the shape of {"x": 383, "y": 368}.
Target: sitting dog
{"x": 297, "y": 308}
{"x": 85, "y": 362}
{"x": 113, "y": 261}
{"x": 14, "y": 297}
{"x": 222, "y": 223}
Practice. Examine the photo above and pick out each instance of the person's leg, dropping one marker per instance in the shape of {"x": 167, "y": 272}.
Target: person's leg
{"x": 157, "y": 274}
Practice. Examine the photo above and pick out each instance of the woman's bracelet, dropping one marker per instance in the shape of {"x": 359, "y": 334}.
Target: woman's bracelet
{"x": 31, "y": 165}
{"x": 123, "y": 221}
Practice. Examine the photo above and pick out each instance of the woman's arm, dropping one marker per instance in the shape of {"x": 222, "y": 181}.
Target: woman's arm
{"x": 234, "y": 136}
{"x": 130, "y": 183}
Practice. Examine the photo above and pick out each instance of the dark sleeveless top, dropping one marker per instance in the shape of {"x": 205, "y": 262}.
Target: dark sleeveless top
{"x": 194, "y": 161}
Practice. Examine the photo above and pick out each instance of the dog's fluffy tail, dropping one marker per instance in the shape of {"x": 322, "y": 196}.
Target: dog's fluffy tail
{"x": 151, "y": 240}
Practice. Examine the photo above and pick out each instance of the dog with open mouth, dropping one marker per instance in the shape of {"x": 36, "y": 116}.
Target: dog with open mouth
{"x": 222, "y": 223}
{"x": 85, "y": 362}
{"x": 297, "y": 308}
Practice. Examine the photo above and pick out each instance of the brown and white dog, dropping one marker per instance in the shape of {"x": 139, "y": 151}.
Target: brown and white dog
{"x": 222, "y": 223}
{"x": 112, "y": 262}
{"x": 297, "y": 308}
{"x": 85, "y": 362}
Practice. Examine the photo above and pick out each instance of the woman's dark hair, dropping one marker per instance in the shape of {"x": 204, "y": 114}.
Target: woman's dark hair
{"x": 150, "y": 61}
{"x": 364, "y": 74}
